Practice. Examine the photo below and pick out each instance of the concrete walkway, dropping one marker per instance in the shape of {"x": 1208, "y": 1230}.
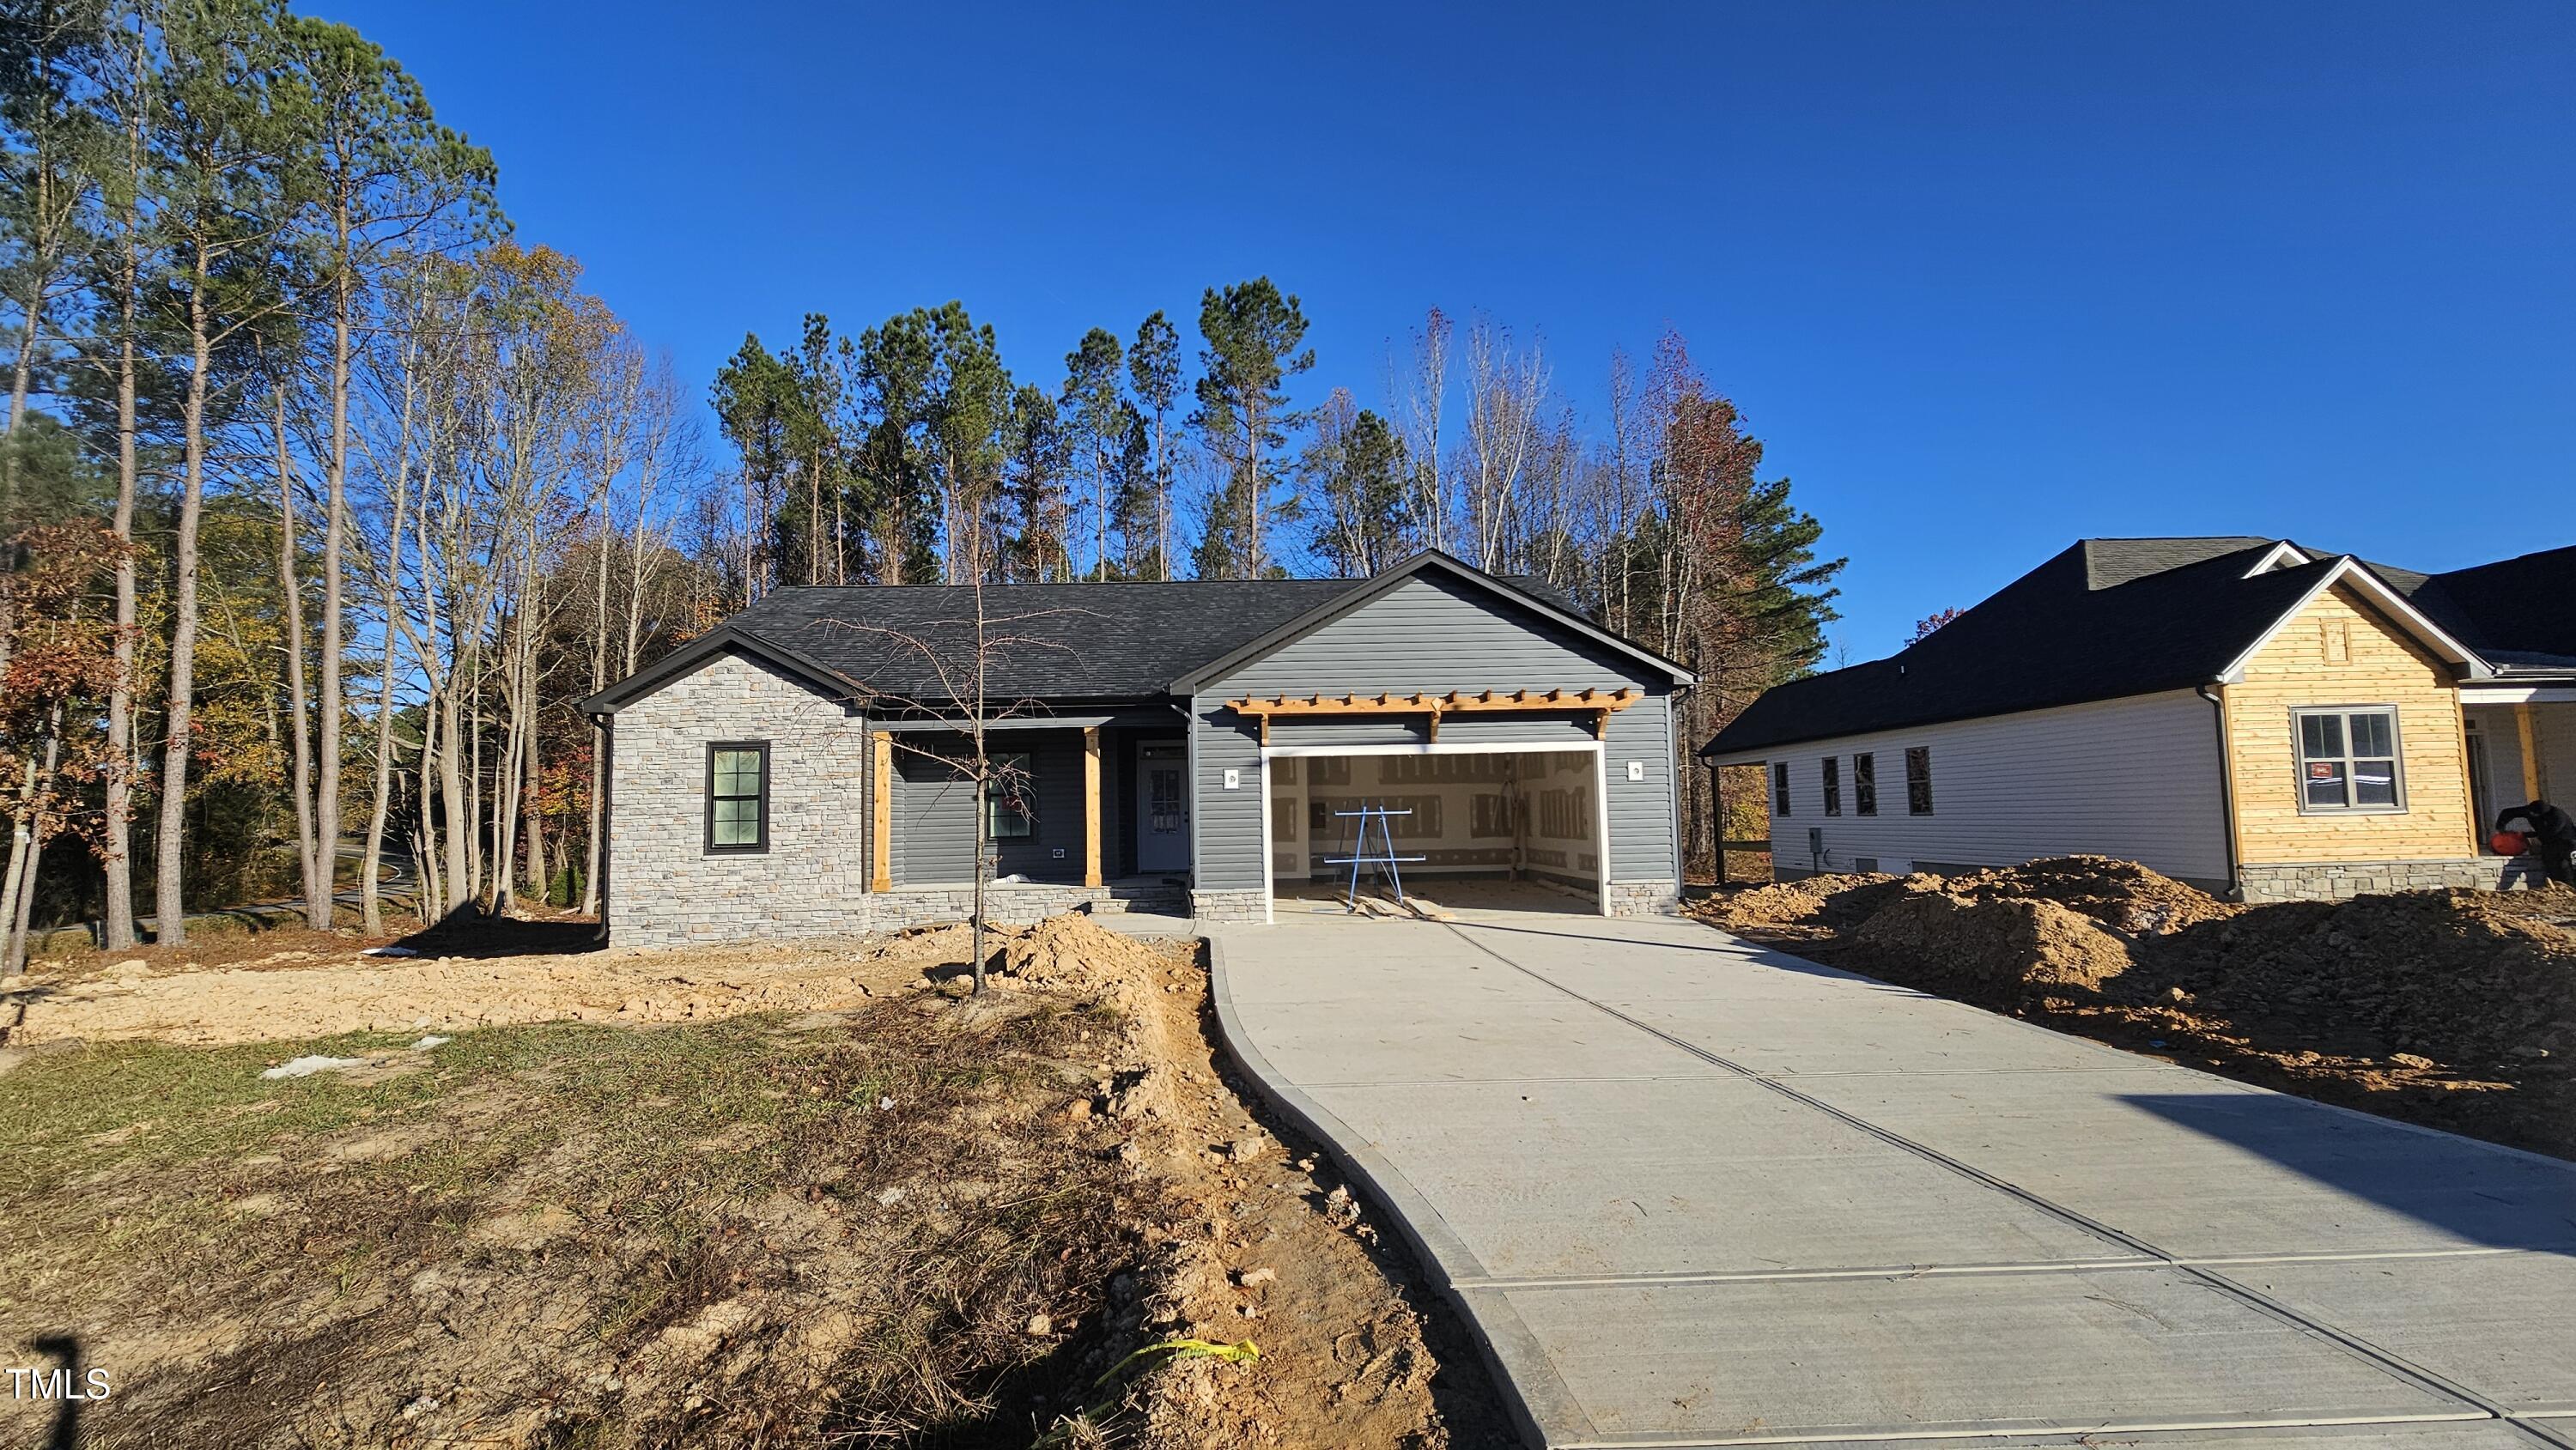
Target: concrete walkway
{"x": 1692, "y": 1192}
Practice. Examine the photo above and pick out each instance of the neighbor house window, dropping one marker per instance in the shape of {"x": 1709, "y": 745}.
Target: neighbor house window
{"x": 1865, "y": 784}
{"x": 1007, "y": 797}
{"x": 738, "y": 795}
{"x": 1918, "y": 780}
{"x": 2348, "y": 760}
{"x": 1780, "y": 788}
{"x": 1831, "y": 775}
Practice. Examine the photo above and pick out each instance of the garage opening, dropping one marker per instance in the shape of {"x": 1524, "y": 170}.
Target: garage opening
{"x": 1496, "y": 827}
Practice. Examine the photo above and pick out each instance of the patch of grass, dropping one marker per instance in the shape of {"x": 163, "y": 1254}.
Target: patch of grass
{"x": 908, "y": 1164}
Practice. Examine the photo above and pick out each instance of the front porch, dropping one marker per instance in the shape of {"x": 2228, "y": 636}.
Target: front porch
{"x": 2521, "y": 747}
{"x": 1096, "y": 816}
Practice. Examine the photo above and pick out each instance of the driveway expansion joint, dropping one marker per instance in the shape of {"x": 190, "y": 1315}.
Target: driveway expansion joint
{"x": 2385, "y": 1359}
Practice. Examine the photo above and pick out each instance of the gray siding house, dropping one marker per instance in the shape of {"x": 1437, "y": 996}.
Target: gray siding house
{"x": 1174, "y": 746}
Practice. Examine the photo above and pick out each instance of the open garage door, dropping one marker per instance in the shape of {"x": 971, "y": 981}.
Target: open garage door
{"x": 1494, "y": 826}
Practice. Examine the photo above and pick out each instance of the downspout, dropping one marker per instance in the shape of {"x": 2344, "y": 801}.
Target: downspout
{"x": 607, "y": 746}
{"x": 1673, "y": 718}
{"x": 2226, "y": 789}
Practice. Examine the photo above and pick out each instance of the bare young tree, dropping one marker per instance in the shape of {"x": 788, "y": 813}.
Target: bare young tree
{"x": 1506, "y": 390}
{"x": 954, "y": 665}
{"x": 1419, "y": 392}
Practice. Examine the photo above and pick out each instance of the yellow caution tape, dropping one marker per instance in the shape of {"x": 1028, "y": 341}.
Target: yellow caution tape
{"x": 1186, "y": 1349}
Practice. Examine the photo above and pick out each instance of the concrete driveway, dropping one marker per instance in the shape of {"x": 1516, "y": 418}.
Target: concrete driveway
{"x": 1694, "y": 1192}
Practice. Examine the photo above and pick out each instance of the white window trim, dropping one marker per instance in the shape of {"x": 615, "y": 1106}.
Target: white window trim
{"x": 2397, "y": 759}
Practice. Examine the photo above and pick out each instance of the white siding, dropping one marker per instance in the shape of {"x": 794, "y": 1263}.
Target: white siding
{"x": 2135, "y": 778}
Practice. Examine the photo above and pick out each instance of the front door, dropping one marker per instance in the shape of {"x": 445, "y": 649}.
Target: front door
{"x": 1162, "y": 808}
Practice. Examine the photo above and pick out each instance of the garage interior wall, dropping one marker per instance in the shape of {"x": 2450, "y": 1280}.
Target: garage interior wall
{"x": 1476, "y": 812}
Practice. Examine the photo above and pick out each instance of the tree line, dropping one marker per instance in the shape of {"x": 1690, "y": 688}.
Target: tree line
{"x": 325, "y": 496}
{"x": 911, "y": 453}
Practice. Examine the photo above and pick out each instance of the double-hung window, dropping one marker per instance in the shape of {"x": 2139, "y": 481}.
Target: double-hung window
{"x": 1779, "y": 787}
{"x": 1865, "y": 784}
{"x": 1830, "y": 774}
{"x": 738, "y": 796}
{"x": 2348, "y": 759}
{"x": 1009, "y": 804}
{"x": 1918, "y": 780}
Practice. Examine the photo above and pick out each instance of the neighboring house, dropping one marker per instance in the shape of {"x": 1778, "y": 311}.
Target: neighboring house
{"x": 1185, "y": 745}
{"x": 2243, "y": 713}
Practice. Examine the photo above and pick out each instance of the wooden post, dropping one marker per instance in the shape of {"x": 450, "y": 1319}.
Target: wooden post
{"x": 2533, "y": 785}
{"x": 881, "y": 817}
{"x": 1091, "y": 805}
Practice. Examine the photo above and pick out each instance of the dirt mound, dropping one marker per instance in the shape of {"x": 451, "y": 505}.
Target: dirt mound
{"x": 1998, "y": 946}
{"x": 1073, "y": 951}
{"x": 949, "y": 944}
{"x": 1836, "y": 900}
{"x": 2465, "y": 977}
{"x": 2121, "y": 895}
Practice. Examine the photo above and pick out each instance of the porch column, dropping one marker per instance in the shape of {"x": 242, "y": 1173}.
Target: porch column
{"x": 881, "y": 815}
{"x": 1091, "y": 805}
{"x": 2534, "y": 787}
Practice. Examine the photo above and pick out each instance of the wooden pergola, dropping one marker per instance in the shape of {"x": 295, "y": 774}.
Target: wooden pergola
{"x": 1599, "y": 704}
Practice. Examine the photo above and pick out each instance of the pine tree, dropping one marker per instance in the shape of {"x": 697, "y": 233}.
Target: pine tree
{"x": 1154, "y": 367}
{"x": 1252, "y": 333}
{"x": 1095, "y": 424}
{"x": 1356, "y": 474}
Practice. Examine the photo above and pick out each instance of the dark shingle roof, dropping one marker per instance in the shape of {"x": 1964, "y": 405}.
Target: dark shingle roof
{"x": 2114, "y": 617}
{"x": 2517, "y": 613}
{"x": 2052, "y": 637}
{"x": 1050, "y": 641}
{"x": 2112, "y": 562}
{"x": 1103, "y": 645}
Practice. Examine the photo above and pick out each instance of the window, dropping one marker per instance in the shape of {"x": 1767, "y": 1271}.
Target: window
{"x": 738, "y": 795}
{"x": 1779, "y": 787}
{"x": 1831, "y": 773}
{"x": 1918, "y": 780}
{"x": 1865, "y": 784}
{"x": 2348, "y": 760}
{"x": 1010, "y": 809}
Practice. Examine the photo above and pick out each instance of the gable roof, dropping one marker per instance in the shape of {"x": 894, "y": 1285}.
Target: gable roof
{"x": 2103, "y": 619}
{"x": 1099, "y": 643}
{"x": 1534, "y": 595}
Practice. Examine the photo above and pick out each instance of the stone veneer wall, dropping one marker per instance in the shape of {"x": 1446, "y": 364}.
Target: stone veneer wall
{"x": 1645, "y": 898}
{"x": 2336, "y": 880}
{"x": 1015, "y": 903}
{"x": 664, "y": 887}
{"x": 1218, "y": 906}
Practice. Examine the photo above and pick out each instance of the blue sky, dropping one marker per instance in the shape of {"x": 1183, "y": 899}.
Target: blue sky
{"x": 1985, "y": 277}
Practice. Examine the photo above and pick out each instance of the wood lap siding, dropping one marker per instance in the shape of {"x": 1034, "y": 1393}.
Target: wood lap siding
{"x": 2382, "y": 667}
{"x": 1434, "y": 635}
{"x": 2134, "y": 778}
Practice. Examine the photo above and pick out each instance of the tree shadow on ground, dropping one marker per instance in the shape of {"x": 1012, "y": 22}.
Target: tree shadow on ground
{"x": 471, "y": 933}
{"x": 2482, "y": 1195}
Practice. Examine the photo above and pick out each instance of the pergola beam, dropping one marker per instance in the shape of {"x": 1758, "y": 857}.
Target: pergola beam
{"x": 1599, "y": 704}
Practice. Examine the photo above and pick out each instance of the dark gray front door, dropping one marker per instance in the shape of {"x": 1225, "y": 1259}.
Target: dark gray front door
{"x": 1162, "y": 808}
